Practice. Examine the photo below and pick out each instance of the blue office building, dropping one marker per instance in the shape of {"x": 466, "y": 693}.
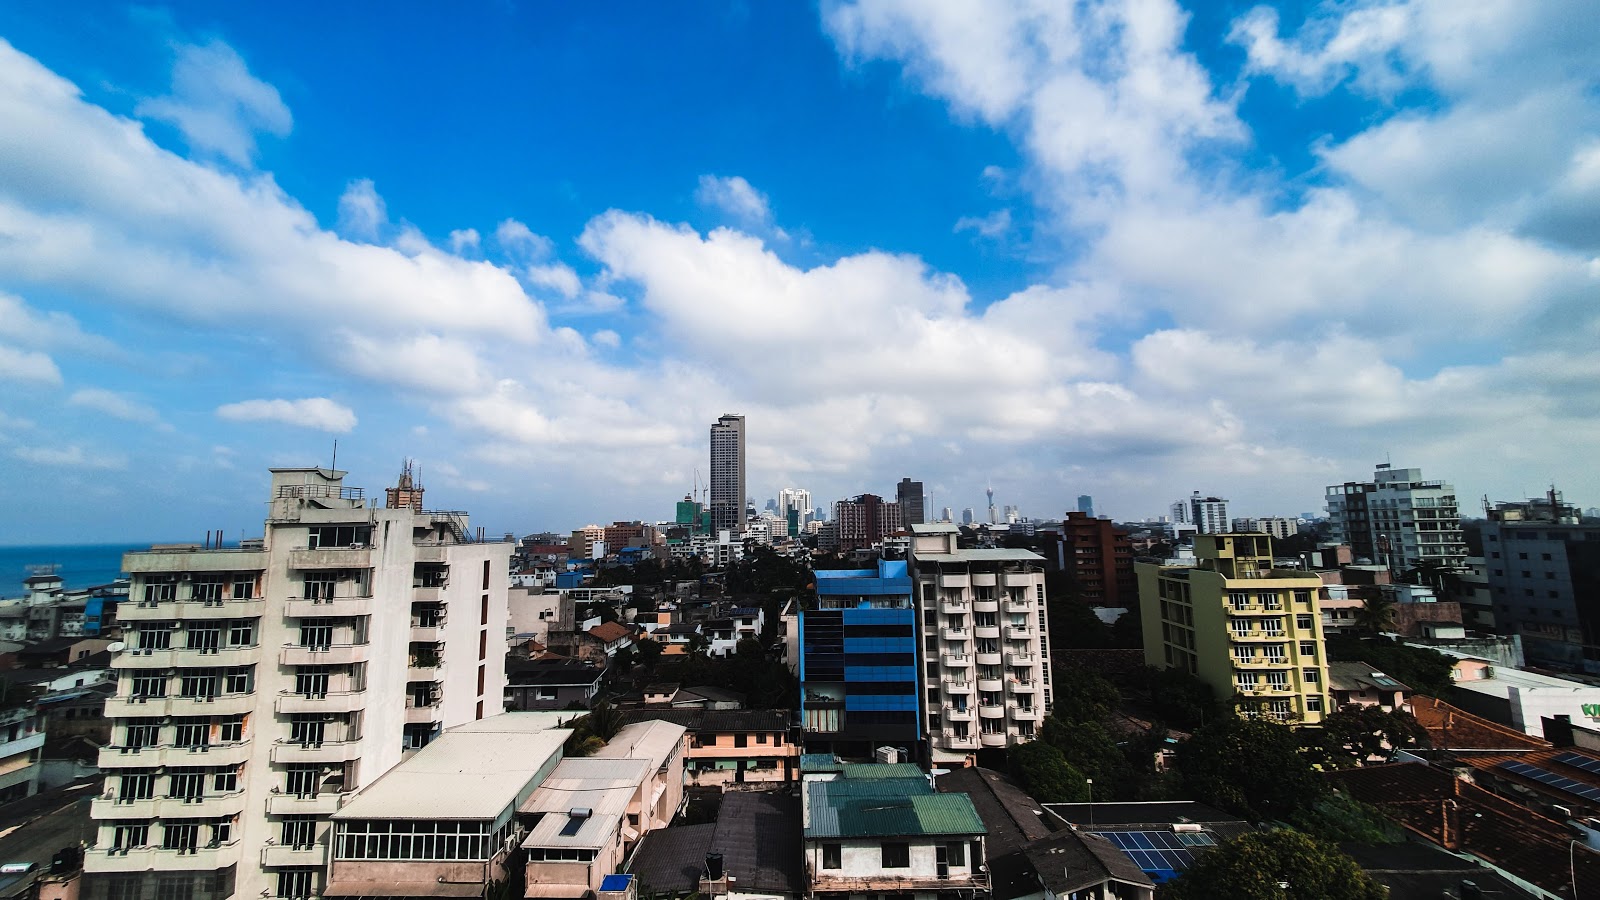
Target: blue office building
{"x": 858, "y": 663}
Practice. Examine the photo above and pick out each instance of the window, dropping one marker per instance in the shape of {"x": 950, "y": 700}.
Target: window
{"x": 242, "y": 633}
{"x": 198, "y": 683}
{"x": 1308, "y": 649}
{"x": 316, "y": 634}
{"x": 1239, "y": 627}
{"x": 204, "y": 638}
{"x": 311, "y": 681}
{"x": 1273, "y": 652}
{"x": 1244, "y": 681}
{"x": 137, "y": 785}
{"x": 187, "y": 784}
{"x": 295, "y": 884}
{"x": 1302, "y": 596}
{"x": 832, "y": 856}
{"x": 129, "y": 834}
{"x": 244, "y": 587}
{"x": 180, "y": 835}
{"x": 1522, "y": 556}
{"x": 1243, "y": 653}
{"x": 323, "y": 536}
{"x": 896, "y": 855}
{"x": 1238, "y": 600}
{"x": 1314, "y": 703}
{"x": 155, "y": 636}
{"x": 1311, "y": 676}
{"x": 143, "y": 733}
{"x": 226, "y": 781}
{"x": 956, "y": 853}
{"x": 307, "y": 729}
{"x": 299, "y": 832}
{"x": 221, "y": 831}
{"x": 301, "y": 781}
{"x": 209, "y": 591}
{"x": 1303, "y": 623}
{"x": 1545, "y": 557}
{"x": 160, "y": 592}
{"x": 192, "y": 732}
{"x": 1278, "y": 681}
{"x": 237, "y": 681}
{"x": 147, "y": 686}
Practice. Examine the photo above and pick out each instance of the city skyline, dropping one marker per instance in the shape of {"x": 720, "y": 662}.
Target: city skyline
{"x": 1127, "y": 251}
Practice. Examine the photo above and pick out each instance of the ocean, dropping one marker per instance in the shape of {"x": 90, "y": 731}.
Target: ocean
{"x": 79, "y": 565}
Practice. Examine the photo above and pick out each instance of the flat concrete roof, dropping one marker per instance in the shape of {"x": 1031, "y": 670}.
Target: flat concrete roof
{"x": 464, "y": 774}
{"x": 1506, "y": 678}
{"x": 1001, "y": 554}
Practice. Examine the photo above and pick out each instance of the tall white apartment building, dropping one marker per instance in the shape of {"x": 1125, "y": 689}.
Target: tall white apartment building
{"x": 1208, "y": 515}
{"x": 986, "y": 641}
{"x": 260, "y": 686}
{"x": 1398, "y": 519}
{"x": 1277, "y": 527}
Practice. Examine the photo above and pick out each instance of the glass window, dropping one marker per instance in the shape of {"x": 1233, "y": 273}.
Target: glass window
{"x": 832, "y": 856}
{"x": 896, "y": 855}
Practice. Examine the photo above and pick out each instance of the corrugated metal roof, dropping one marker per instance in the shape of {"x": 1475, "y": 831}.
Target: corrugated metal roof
{"x": 884, "y": 770}
{"x": 596, "y": 831}
{"x": 890, "y": 816}
{"x": 461, "y": 775}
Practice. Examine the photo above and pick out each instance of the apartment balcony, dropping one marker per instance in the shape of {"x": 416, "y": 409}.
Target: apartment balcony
{"x": 1020, "y": 633}
{"x": 424, "y": 673}
{"x": 189, "y": 610}
{"x": 427, "y": 594}
{"x": 431, "y": 553}
{"x": 1015, "y": 658}
{"x": 994, "y": 685}
{"x": 331, "y": 558}
{"x": 990, "y": 605}
{"x": 1016, "y": 686}
{"x": 221, "y": 705}
{"x": 954, "y": 635}
{"x": 427, "y": 634}
{"x": 1017, "y": 579}
{"x": 1024, "y": 713}
{"x": 145, "y": 562}
{"x": 949, "y": 740}
{"x": 984, "y": 579}
{"x": 957, "y": 686}
{"x": 993, "y": 740}
{"x": 231, "y": 754}
{"x": 988, "y": 659}
{"x": 1018, "y": 606}
{"x": 209, "y": 807}
{"x": 319, "y": 752}
{"x": 961, "y": 582}
{"x": 992, "y": 710}
{"x": 333, "y": 607}
{"x": 957, "y": 713}
{"x": 327, "y": 702}
{"x": 422, "y": 715}
{"x": 953, "y": 607}
{"x": 986, "y": 632}
{"x": 276, "y": 855}
{"x": 957, "y": 661}
{"x": 155, "y": 859}
{"x": 185, "y": 658}
{"x": 327, "y": 655}
{"x": 324, "y": 804}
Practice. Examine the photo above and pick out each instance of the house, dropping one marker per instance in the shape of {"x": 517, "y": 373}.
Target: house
{"x": 602, "y": 642}
{"x": 1361, "y": 684}
{"x": 1161, "y": 838}
{"x": 550, "y": 683}
{"x": 755, "y": 839}
{"x": 877, "y": 828}
{"x": 678, "y": 639}
{"x": 1026, "y": 858}
{"x": 732, "y": 747}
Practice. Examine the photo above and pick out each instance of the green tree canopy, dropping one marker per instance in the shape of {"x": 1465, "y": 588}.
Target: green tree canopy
{"x": 1083, "y": 696}
{"x": 1046, "y": 774}
{"x": 1273, "y": 865}
{"x": 1355, "y": 733}
{"x": 1249, "y": 767}
{"x": 1424, "y": 670}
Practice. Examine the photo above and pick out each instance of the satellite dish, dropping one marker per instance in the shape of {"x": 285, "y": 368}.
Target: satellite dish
{"x": 116, "y": 647}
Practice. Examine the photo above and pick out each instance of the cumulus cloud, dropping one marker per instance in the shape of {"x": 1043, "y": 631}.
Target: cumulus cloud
{"x": 733, "y": 195}
{"x": 217, "y": 105}
{"x": 118, "y": 406}
{"x": 519, "y": 240}
{"x": 21, "y": 324}
{"x": 464, "y": 240}
{"x": 313, "y": 412}
{"x": 992, "y": 226}
{"x": 71, "y": 456}
{"x": 362, "y": 212}
{"x": 28, "y": 366}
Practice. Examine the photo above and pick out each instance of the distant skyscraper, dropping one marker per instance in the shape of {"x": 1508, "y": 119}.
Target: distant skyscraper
{"x": 794, "y": 507}
{"x": 1208, "y": 515}
{"x": 993, "y": 519}
{"x": 1086, "y": 505}
{"x": 947, "y": 515}
{"x": 967, "y": 516}
{"x": 727, "y": 474}
{"x": 1398, "y": 519}
{"x": 909, "y": 495}
{"x": 864, "y": 521}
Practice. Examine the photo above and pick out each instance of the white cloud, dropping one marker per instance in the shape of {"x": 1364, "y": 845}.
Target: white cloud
{"x": 994, "y": 225}
{"x": 120, "y": 406}
{"x": 217, "y": 104}
{"x": 362, "y": 212}
{"x": 69, "y": 457}
{"x": 519, "y": 240}
{"x": 605, "y": 337}
{"x": 27, "y": 366}
{"x": 464, "y": 240}
{"x": 313, "y": 412}
{"x": 734, "y": 196}
{"x": 557, "y": 277}
{"x": 22, "y": 324}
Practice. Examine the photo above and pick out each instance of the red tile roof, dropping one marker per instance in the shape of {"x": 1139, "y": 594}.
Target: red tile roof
{"x": 1460, "y": 816}
{"x": 610, "y": 631}
{"x": 1455, "y": 729}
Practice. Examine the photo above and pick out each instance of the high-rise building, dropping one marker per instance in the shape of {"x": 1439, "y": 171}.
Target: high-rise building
{"x": 1086, "y": 505}
{"x": 1276, "y": 527}
{"x": 968, "y": 517}
{"x": 727, "y": 475}
{"x": 1398, "y": 519}
{"x": 1543, "y": 569}
{"x": 864, "y": 521}
{"x": 1250, "y": 631}
{"x": 1097, "y": 558}
{"x": 946, "y": 515}
{"x": 1208, "y": 515}
{"x": 911, "y": 499}
{"x": 794, "y": 507}
{"x": 987, "y": 670}
{"x": 859, "y": 682}
{"x": 259, "y": 686}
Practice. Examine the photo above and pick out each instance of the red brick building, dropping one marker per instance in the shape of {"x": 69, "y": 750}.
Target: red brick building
{"x": 1097, "y": 558}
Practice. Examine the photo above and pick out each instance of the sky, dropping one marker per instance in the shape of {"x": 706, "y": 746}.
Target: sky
{"x": 1126, "y": 248}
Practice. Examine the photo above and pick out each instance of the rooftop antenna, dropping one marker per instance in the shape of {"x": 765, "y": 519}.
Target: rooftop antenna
{"x": 334, "y": 466}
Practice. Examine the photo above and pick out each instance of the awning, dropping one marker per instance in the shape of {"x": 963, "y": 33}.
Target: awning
{"x": 401, "y": 889}
{"x": 557, "y": 891}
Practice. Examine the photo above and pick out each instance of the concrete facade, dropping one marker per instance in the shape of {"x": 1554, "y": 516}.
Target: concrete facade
{"x": 260, "y": 686}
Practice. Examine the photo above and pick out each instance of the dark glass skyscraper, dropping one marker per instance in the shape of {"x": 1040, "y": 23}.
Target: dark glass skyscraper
{"x": 727, "y": 474}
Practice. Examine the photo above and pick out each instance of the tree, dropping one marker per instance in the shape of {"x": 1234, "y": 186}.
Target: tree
{"x": 1356, "y": 733}
{"x": 1177, "y": 697}
{"x": 1045, "y": 773}
{"x": 1074, "y": 626}
{"x": 1082, "y": 696}
{"x": 1273, "y": 865}
{"x": 1376, "y": 615}
{"x": 1249, "y": 767}
{"x": 649, "y": 651}
{"x": 1089, "y": 748}
{"x": 604, "y": 721}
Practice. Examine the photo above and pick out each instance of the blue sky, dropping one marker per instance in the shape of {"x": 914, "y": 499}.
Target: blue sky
{"x": 1116, "y": 247}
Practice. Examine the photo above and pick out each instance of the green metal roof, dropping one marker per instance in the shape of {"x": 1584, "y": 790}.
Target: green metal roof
{"x": 891, "y": 816}
{"x": 820, "y": 762}
{"x": 883, "y": 770}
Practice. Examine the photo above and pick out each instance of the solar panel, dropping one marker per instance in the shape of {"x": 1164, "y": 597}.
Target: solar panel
{"x": 1157, "y": 851}
{"x": 1559, "y": 782}
{"x": 1586, "y": 763}
{"x": 1196, "y": 839}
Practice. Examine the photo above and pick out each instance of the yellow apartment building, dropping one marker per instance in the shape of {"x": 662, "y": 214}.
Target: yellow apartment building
{"x": 1252, "y": 632}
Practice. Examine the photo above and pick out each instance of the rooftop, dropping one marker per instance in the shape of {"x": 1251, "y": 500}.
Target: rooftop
{"x": 1003, "y": 554}
{"x": 713, "y": 720}
{"x": 463, "y": 774}
{"x": 1505, "y": 678}
{"x": 1071, "y": 861}
{"x": 1416, "y": 871}
{"x": 860, "y": 805}
{"x": 1450, "y": 728}
{"x": 758, "y": 835}
{"x": 655, "y": 741}
{"x": 1360, "y": 676}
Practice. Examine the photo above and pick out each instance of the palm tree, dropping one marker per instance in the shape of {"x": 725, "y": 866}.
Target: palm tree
{"x": 1377, "y": 615}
